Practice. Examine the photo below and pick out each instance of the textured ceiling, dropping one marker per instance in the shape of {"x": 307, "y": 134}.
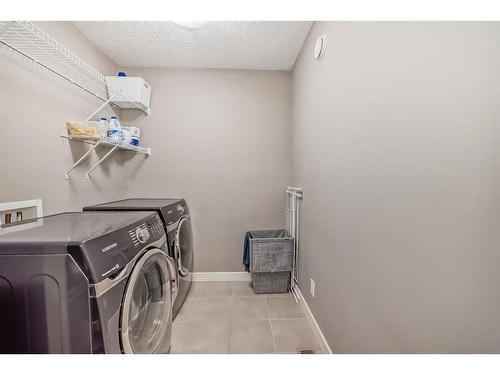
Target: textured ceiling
{"x": 227, "y": 45}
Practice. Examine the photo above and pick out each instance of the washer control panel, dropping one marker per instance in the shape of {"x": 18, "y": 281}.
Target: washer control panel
{"x": 153, "y": 228}
{"x": 106, "y": 254}
{"x": 142, "y": 234}
{"x": 139, "y": 234}
{"x": 156, "y": 227}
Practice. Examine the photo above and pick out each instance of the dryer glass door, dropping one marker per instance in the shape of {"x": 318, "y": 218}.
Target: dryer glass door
{"x": 184, "y": 247}
{"x": 147, "y": 305}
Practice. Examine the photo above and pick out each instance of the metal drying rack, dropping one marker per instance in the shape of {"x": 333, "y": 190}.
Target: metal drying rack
{"x": 293, "y": 198}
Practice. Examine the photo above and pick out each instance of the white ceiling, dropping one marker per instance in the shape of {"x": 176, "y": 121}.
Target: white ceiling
{"x": 257, "y": 45}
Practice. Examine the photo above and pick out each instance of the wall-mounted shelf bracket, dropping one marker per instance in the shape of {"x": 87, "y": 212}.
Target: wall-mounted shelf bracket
{"x": 87, "y": 175}
{"x": 101, "y": 107}
{"x": 104, "y": 142}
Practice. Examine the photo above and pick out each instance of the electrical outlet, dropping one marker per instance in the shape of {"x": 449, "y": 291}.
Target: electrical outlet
{"x": 313, "y": 287}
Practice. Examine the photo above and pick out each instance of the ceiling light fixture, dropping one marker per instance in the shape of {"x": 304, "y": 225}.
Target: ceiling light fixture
{"x": 191, "y": 24}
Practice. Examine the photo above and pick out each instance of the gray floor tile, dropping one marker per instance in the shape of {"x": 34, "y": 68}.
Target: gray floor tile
{"x": 206, "y": 337}
{"x": 217, "y": 289}
{"x": 284, "y": 307}
{"x": 222, "y": 317}
{"x": 251, "y": 336}
{"x": 196, "y": 289}
{"x": 293, "y": 335}
{"x": 214, "y": 309}
{"x": 243, "y": 289}
{"x": 179, "y": 332}
{"x": 245, "y": 308}
{"x": 189, "y": 310}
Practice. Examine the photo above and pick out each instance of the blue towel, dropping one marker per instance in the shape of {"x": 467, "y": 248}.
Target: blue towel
{"x": 246, "y": 251}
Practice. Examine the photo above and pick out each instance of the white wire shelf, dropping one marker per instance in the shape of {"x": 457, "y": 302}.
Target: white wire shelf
{"x": 103, "y": 142}
{"x": 33, "y": 43}
{"x": 108, "y": 142}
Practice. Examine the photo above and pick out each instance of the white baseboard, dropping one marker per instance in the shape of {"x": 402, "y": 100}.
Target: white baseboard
{"x": 221, "y": 276}
{"x": 325, "y": 348}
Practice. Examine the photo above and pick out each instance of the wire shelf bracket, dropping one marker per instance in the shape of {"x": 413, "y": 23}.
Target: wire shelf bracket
{"x": 104, "y": 142}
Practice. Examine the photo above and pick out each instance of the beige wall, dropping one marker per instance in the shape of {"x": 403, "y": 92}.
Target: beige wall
{"x": 395, "y": 143}
{"x": 221, "y": 139}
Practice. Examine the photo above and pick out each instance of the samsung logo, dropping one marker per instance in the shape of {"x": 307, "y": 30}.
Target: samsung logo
{"x": 109, "y": 247}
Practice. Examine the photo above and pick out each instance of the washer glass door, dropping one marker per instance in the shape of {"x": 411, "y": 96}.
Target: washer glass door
{"x": 147, "y": 305}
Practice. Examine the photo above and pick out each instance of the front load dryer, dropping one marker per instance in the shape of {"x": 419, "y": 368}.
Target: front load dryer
{"x": 86, "y": 282}
{"x": 176, "y": 219}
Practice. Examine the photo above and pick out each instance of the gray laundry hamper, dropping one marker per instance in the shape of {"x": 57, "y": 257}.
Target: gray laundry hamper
{"x": 271, "y": 260}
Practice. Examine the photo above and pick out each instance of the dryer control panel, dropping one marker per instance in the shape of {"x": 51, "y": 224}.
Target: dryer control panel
{"x": 175, "y": 211}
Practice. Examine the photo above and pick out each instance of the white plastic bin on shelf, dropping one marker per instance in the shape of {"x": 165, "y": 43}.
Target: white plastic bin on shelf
{"x": 136, "y": 92}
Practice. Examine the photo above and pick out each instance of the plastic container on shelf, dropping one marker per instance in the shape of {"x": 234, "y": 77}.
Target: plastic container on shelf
{"x": 88, "y": 130}
{"x": 115, "y": 131}
{"x": 136, "y": 91}
{"x": 104, "y": 121}
{"x": 126, "y": 135}
{"x": 133, "y": 135}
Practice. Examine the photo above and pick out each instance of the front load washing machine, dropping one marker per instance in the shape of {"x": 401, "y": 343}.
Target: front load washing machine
{"x": 174, "y": 213}
{"x": 86, "y": 282}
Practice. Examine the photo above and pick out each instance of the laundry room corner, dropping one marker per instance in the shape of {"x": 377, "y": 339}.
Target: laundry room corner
{"x": 223, "y": 142}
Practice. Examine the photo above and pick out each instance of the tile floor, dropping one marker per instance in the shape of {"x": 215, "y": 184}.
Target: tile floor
{"x": 227, "y": 317}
